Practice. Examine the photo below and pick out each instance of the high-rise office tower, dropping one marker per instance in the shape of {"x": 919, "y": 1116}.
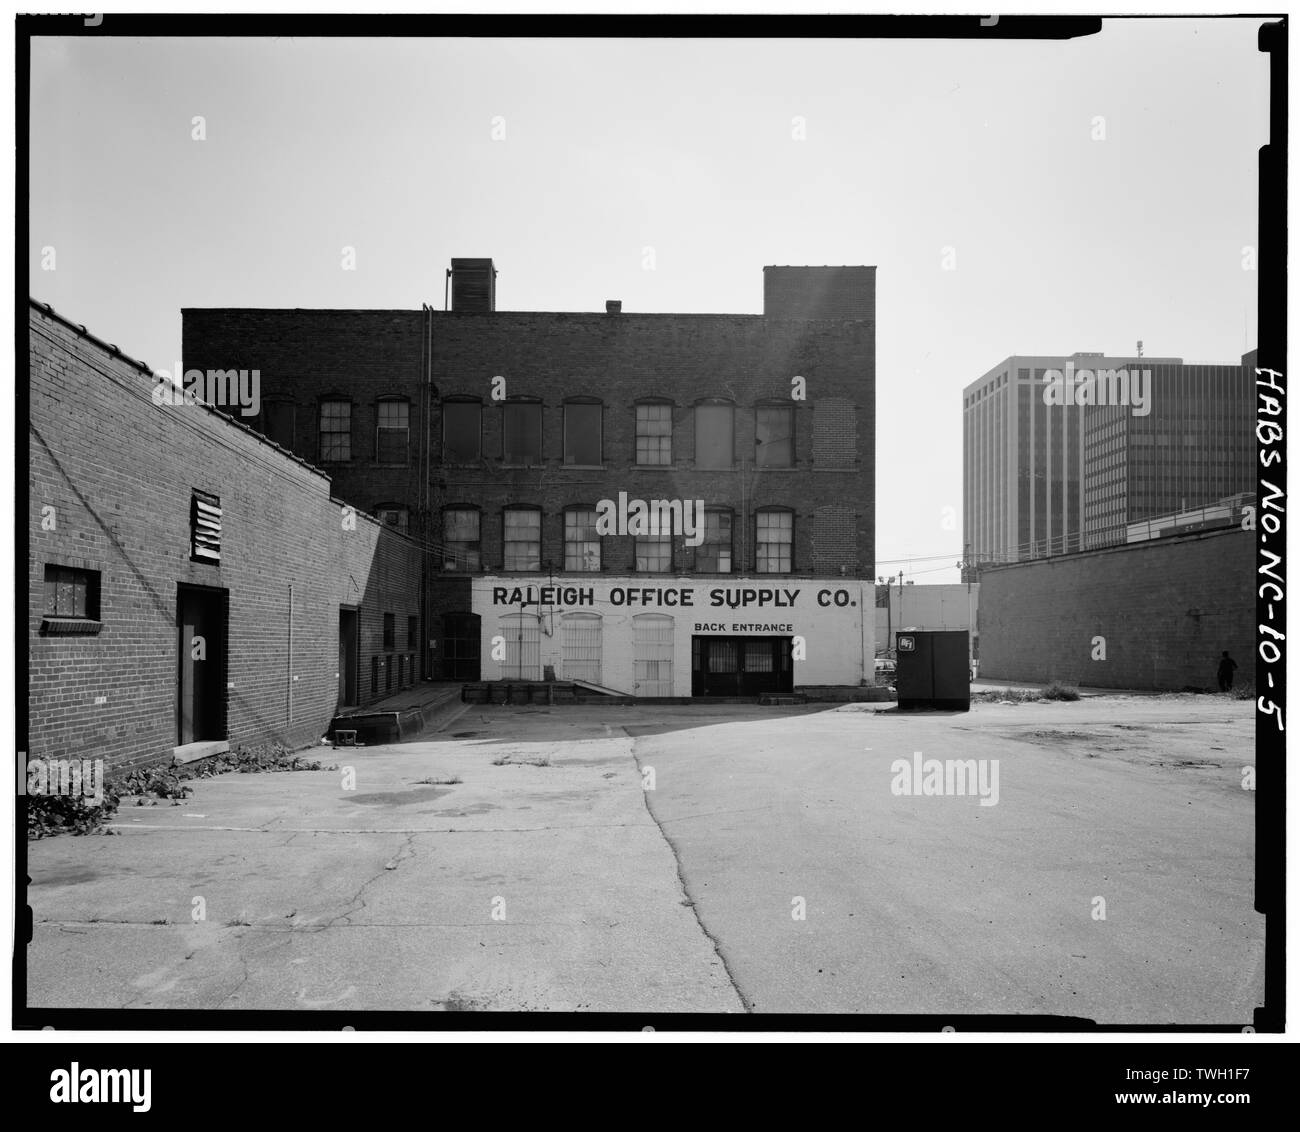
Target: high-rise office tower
{"x": 1060, "y": 452}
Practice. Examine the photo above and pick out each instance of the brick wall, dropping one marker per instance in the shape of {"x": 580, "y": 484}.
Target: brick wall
{"x": 1166, "y": 608}
{"x": 623, "y": 358}
{"x": 305, "y": 357}
{"x": 819, "y": 292}
{"x": 111, "y": 480}
{"x": 620, "y": 358}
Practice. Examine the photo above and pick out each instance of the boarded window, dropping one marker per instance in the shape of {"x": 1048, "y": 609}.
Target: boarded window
{"x": 774, "y": 436}
{"x": 521, "y": 433}
{"x": 715, "y": 436}
{"x": 582, "y": 439}
{"x": 462, "y": 432}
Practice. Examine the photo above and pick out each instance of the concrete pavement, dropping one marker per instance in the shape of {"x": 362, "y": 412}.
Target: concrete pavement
{"x": 536, "y": 887}
{"x": 936, "y": 904}
{"x": 523, "y": 887}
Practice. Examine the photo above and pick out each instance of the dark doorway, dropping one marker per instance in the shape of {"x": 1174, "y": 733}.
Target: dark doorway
{"x": 201, "y": 679}
{"x": 347, "y": 657}
{"x": 460, "y": 646}
{"x": 740, "y": 666}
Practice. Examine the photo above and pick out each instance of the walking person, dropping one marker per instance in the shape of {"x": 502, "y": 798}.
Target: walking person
{"x": 1226, "y": 668}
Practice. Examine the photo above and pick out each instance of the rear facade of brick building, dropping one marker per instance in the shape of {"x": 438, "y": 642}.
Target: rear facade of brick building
{"x": 429, "y": 443}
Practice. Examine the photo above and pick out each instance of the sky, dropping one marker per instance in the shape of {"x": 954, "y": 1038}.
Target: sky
{"x": 1015, "y": 197}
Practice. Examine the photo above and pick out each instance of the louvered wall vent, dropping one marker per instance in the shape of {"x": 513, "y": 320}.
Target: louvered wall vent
{"x": 205, "y": 527}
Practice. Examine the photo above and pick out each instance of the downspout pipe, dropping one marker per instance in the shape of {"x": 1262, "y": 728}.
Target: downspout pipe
{"x": 289, "y": 704}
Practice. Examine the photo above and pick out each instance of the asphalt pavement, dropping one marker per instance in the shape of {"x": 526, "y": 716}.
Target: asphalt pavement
{"x": 1110, "y": 881}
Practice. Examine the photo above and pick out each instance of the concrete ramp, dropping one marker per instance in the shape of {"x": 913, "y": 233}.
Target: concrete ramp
{"x": 598, "y": 688}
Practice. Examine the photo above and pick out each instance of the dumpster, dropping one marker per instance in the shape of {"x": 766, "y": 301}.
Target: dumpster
{"x": 933, "y": 670}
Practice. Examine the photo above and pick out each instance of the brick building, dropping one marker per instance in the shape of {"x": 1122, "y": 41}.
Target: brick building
{"x": 191, "y": 585}
{"x": 495, "y": 438}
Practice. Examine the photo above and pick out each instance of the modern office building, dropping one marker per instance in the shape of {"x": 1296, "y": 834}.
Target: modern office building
{"x": 1194, "y": 447}
{"x": 659, "y": 504}
{"x": 1060, "y": 453}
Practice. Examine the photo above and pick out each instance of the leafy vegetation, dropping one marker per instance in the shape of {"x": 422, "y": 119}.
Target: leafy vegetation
{"x": 48, "y": 815}
{"x": 1058, "y": 691}
{"x": 1053, "y": 691}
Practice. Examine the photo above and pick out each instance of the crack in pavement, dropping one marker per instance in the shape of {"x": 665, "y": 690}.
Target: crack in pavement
{"x": 685, "y": 890}
{"x": 356, "y": 899}
{"x": 243, "y": 962}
